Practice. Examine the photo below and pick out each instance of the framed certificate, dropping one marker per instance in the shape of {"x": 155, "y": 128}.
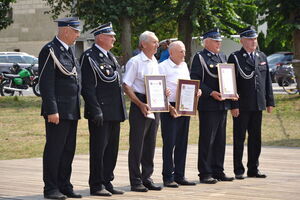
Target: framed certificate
{"x": 156, "y": 93}
{"x": 186, "y": 97}
{"x": 227, "y": 81}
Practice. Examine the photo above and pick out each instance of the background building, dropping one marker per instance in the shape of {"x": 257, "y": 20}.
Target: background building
{"x": 32, "y": 29}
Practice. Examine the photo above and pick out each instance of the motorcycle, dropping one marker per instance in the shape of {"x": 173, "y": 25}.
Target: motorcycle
{"x": 18, "y": 81}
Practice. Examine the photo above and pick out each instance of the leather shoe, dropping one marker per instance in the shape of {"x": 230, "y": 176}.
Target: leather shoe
{"x": 239, "y": 177}
{"x": 223, "y": 178}
{"x": 151, "y": 186}
{"x": 55, "y": 195}
{"x": 257, "y": 175}
{"x": 170, "y": 184}
{"x": 114, "y": 191}
{"x": 72, "y": 194}
{"x": 208, "y": 180}
{"x": 139, "y": 188}
{"x": 184, "y": 182}
{"x": 102, "y": 192}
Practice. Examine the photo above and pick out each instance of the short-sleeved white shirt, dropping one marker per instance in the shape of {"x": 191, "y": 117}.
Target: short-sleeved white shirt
{"x": 136, "y": 68}
{"x": 173, "y": 72}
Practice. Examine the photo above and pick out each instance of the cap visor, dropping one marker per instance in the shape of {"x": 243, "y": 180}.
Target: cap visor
{"x": 110, "y": 33}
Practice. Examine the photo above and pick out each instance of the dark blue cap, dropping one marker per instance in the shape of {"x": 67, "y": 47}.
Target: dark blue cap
{"x": 72, "y": 22}
{"x": 213, "y": 34}
{"x": 104, "y": 29}
{"x": 248, "y": 32}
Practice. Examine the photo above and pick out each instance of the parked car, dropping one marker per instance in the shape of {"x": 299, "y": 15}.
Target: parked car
{"x": 7, "y": 59}
{"x": 278, "y": 59}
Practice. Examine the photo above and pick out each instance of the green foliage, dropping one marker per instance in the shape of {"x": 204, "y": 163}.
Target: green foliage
{"x": 281, "y": 16}
{"x": 5, "y": 9}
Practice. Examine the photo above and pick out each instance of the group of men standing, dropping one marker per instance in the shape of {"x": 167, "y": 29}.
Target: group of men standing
{"x": 98, "y": 78}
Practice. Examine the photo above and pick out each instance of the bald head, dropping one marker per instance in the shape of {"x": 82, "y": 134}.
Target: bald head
{"x": 177, "y": 52}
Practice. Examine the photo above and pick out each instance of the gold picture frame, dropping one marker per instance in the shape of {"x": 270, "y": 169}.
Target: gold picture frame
{"x": 227, "y": 81}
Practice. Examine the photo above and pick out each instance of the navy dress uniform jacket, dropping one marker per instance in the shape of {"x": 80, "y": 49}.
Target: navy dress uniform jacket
{"x": 255, "y": 92}
{"x": 60, "y": 93}
{"x": 207, "y": 82}
{"x": 113, "y": 109}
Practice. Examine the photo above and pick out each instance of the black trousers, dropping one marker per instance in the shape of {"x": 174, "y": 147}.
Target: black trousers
{"x": 58, "y": 155}
{"x": 104, "y": 146}
{"x": 211, "y": 145}
{"x": 142, "y": 140}
{"x": 175, "y": 138}
{"x": 247, "y": 121}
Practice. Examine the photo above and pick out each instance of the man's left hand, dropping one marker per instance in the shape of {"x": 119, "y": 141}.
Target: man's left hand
{"x": 269, "y": 109}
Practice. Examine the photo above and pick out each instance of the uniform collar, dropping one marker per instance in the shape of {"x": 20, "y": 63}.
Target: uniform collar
{"x": 101, "y": 49}
{"x": 62, "y": 43}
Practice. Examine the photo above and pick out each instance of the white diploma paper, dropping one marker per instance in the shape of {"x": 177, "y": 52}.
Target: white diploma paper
{"x": 157, "y": 93}
{"x": 227, "y": 81}
{"x": 187, "y": 97}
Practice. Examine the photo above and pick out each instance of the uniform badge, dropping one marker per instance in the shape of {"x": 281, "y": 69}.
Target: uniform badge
{"x": 209, "y": 54}
{"x": 101, "y": 67}
{"x": 245, "y": 55}
{"x": 101, "y": 55}
{"x": 107, "y": 72}
{"x": 211, "y": 66}
{"x": 262, "y": 63}
{"x": 61, "y": 48}
{"x": 257, "y": 54}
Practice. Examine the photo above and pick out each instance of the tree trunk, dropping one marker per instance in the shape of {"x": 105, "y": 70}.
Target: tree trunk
{"x": 185, "y": 31}
{"x": 125, "y": 39}
{"x": 296, "y": 62}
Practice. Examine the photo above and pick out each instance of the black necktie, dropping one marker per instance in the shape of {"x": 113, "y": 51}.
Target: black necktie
{"x": 252, "y": 56}
{"x": 70, "y": 51}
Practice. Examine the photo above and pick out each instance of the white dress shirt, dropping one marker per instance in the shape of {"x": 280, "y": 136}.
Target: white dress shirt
{"x": 136, "y": 69}
{"x": 173, "y": 72}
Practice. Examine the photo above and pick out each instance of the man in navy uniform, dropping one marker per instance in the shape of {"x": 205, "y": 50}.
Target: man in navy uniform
{"x": 60, "y": 91}
{"x": 212, "y": 110}
{"x": 104, "y": 108}
{"x": 254, "y": 87}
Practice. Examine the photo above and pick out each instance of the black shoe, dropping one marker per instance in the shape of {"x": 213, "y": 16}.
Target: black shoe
{"x": 102, "y": 192}
{"x": 55, "y": 195}
{"x": 170, "y": 184}
{"x": 114, "y": 191}
{"x": 72, "y": 194}
{"x": 257, "y": 175}
{"x": 223, "y": 178}
{"x": 151, "y": 186}
{"x": 109, "y": 187}
{"x": 184, "y": 182}
{"x": 139, "y": 188}
{"x": 208, "y": 180}
{"x": 239, "y": 177}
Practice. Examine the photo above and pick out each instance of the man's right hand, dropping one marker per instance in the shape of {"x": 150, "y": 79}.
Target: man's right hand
{"x": 98, "y": 119}
{"x": 145, "y": 109}
{"x": 216, "y": 95}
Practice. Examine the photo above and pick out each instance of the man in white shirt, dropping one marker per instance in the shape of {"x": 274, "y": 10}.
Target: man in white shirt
{"x": 143, "y": 130}
{"x": 174, "y": 127}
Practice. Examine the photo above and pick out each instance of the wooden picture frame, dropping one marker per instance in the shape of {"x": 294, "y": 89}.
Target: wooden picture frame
{"x": 227, "y": 81}
{"x": 186, "y": 97}
{"x": 156, "y": 93}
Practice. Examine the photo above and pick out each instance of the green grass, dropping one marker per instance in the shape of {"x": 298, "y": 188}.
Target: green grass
{"x": 22, "y": 132}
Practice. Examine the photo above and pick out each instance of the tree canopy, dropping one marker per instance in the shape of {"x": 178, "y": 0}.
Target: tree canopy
{"x": 5, "y": 9}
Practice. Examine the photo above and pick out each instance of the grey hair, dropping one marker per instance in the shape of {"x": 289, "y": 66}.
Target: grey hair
{"x": 174, "y": 44}
{"x": 145, "y": 36}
